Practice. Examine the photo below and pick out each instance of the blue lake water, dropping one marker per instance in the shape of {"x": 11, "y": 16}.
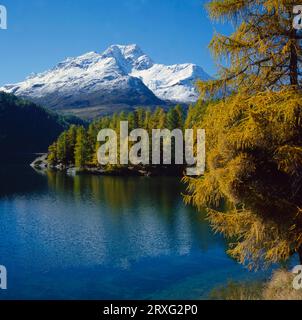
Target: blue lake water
{"x": 91, "y": 237}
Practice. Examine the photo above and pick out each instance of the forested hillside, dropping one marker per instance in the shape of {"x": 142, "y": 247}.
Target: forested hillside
{"x": 26, "y": 127}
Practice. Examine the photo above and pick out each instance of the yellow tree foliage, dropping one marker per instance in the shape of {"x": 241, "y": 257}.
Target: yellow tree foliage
{"x": 254, "y": 162}
{"x": 264, "y": 51}
{"x": 254, "y": 136}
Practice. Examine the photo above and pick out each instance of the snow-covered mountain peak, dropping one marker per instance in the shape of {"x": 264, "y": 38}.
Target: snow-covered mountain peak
{"x": 121, "y": 75}
{"x": 128, "y": 51}
{"x": 129, "y": 57}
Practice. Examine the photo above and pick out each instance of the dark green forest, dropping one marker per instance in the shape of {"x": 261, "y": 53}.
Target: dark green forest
{"x": 26, "y": 127}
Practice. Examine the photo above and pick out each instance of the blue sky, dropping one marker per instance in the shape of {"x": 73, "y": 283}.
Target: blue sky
{"x": 42, "y": 33}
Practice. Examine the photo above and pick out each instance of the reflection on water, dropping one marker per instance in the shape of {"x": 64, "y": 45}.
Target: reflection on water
{"x": 131, "y": 217}
{"x": 91, "y": 237}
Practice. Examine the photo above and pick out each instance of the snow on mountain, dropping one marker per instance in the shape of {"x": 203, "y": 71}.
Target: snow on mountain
{"x": 122, "y": 75}
{"x": 131, "y": 57}
{"x": 174, "y": 83}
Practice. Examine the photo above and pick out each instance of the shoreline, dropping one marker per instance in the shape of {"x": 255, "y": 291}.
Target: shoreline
{"x": 42, "y": 164}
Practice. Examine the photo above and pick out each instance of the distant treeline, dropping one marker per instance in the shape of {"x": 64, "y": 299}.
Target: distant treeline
{"x": 78, "y": 146}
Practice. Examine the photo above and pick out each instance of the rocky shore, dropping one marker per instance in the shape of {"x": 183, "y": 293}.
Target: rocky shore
{"x": 41, "y": 163}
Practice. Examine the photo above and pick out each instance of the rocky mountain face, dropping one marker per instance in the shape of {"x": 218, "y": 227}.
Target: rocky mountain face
{"x": 122, "y": 77}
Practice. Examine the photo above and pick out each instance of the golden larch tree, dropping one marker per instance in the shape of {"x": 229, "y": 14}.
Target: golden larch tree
{"x": 254, "y": 134}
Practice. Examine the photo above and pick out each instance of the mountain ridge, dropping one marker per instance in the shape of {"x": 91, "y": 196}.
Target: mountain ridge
{"x": 123, "y": 75}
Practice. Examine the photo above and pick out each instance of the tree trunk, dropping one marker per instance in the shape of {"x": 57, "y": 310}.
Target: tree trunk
{"x": 293, "y": 64}
{"x": 300, "y": 254}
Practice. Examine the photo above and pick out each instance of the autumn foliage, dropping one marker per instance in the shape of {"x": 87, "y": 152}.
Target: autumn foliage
{"x": 254, "y": 134}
